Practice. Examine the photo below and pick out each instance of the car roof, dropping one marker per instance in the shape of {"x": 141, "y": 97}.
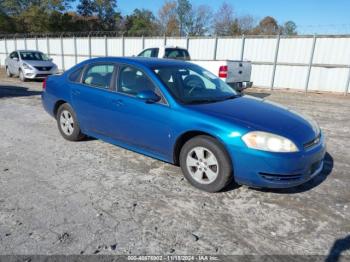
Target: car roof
{"x": 143, "y": 61}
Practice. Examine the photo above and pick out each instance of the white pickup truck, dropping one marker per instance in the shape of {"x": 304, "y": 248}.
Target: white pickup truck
{"x": 235, "y": 73}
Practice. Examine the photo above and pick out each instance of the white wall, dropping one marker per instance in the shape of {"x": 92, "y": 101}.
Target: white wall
{"x": 330, "y": 70}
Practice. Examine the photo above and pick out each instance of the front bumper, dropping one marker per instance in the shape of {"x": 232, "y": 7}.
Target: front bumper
{"x": 36, "y": 74}
{"x": 278, "y": 170}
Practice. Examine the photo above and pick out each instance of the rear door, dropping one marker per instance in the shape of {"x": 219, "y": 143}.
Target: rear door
{"x": 92, "y": 99}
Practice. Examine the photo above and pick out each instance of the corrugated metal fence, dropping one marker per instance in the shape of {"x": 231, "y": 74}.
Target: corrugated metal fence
{"x": 317, "y": 63}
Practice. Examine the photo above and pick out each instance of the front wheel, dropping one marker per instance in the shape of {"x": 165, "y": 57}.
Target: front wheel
{"x": 206, "y": 164}
{"x": 68, "y": 124}
{"x": 21, "y": 76}
{"x": 8, "y": 73}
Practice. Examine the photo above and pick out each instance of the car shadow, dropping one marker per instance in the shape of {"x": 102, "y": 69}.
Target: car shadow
{"x": 316, "y": 181}
{"x": 340, "y": 246}
{"x": 16, "y": 91}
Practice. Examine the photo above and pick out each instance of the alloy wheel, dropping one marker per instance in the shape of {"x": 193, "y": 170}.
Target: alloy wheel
{"x": 202, "y": 165}
{"x": 67, "y": 122}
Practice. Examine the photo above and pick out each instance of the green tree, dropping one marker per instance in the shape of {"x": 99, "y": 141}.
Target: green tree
{"x": 268, "y": 26}
{"x": 86, "y": 8}
{"x": 106, "y": 13}
{"x": 7, "y": 24}
{"x": 141, "y": 22}
{"x": 184, "y": 11}
{"x": 289, "y": 28}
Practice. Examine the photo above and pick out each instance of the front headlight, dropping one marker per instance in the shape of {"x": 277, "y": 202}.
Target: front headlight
{"x": 269, "y": 142}
{"x": 26, "y": 66}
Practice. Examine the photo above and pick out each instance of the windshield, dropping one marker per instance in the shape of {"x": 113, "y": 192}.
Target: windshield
{"x": 192, "y": 84}
{"x": 35, "y": 56}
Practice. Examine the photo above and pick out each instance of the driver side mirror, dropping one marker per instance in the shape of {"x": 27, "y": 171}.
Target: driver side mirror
{"x": 148, "y": 96}
{"x": 16, "y": 59}
{"x": 50, "y": 59}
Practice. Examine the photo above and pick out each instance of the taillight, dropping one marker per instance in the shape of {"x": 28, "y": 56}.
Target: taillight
{"x": 44, "y": 84}
{"x": 223, "y": 71}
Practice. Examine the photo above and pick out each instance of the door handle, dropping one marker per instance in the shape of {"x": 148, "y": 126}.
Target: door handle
{"x": 117, "y": 102}
{"x": 76, "y": 92}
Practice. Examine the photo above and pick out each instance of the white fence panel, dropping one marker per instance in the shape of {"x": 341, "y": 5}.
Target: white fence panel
{"x": 229, "y": 48}
{"x": 69, "y": 61}
{"x": 133, "y": 46}
{"x": 297, "y": 50}
{"x": 57, "y": 59}
{"x": 20, "y": 44}
{"x": 153, "y": 42}
{"x": 68, "y": 46}
{"x": 83, "y": 46}
{"x": 292, "y": 77}
{"x": 55, "y": 46}
{"x": 115, "y": 46}
{"x": 202, "y": 49}
{"x": 328, "y": 79}
{"x": 331, "y": 55}
{"x": 176, "y": 41}
{"x": 260, "y": 49}
{"x": 31, "y": 44}
{"x": 2, "y": 54}
{"x": 10, "y": 45}
{"x": 332, "y": 51}
{"x": 98, "y": 46}
{"x": 261, "y": 75}
{"x": 42, "y": 45}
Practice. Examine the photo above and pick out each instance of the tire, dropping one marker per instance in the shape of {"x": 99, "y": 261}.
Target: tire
{"x": 8, "y": 73}
{"x": 68, "y": 124}
{"x": 21, "y": 76}
{"x": 206, "y": 164}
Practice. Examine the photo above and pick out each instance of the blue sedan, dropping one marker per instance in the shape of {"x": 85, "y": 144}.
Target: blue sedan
{"x": 180, "y": 113}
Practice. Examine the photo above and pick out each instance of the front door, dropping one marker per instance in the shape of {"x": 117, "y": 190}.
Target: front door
{"x": 145, "y": 125}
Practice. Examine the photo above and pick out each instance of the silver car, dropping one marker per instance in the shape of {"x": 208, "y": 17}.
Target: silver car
{"x": 29, "y": 64}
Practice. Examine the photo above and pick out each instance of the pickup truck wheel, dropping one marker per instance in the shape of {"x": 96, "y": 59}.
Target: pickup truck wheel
{"x": 68, "y": 124}
{"x": 21, "y": 76}
{"x": 206, "y": 164}
{"x": 8, "y": 73}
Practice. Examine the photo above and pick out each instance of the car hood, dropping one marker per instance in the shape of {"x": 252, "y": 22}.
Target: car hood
{"x": 39, "y": 63}
{"x": 260, "y": 114}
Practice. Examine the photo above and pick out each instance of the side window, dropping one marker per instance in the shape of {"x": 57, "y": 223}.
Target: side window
{"x": 99, "y": 75}
{"x": 152, "y": 52}
{"x": 13, "y": 55}
{"x": 146, "y": 53}
{"x": 173, "y": 53}
{"x": 75, "y": 76}
{"x": 132, "y": 81}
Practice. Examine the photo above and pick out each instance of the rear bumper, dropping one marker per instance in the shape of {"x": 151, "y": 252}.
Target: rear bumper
{"x": 239, "y": 86}
{"x": 277, "y": 170}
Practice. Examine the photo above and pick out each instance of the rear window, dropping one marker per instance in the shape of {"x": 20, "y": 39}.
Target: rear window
{"x": 176, "y": 53}
{"x": 99, "y": 75}
{"x": 75, "y": 76}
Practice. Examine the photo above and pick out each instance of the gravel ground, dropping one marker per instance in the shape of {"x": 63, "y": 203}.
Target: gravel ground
{"x": 90, "y": 197}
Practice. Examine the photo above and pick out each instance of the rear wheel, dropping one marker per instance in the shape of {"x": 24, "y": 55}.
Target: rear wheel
{"x": 68, "y": 124}
{"x": 21, "y": 76}
{"x": 8, "y": 73}
{"x": 206, "y": 164}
